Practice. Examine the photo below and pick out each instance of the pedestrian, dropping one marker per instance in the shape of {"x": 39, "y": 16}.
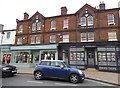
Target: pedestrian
{"x": 4, "y": 59}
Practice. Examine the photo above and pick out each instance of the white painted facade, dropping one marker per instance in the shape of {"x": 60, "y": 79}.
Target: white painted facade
{"x": 8, "y": 37}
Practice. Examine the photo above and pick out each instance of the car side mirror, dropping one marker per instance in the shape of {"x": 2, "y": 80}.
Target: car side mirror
{"x": 62, "y": 66}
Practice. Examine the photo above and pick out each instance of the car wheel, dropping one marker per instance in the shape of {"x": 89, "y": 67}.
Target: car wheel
{"x": 74, "y": 78}
{"x": 38, "y": 75}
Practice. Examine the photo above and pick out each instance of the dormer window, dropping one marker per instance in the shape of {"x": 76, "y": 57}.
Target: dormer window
{"x": 111, "y": 19}
{"x": 53, "y": 24}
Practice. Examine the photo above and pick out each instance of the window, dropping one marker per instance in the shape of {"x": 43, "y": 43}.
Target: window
{"x": 21, "y": 28}
{"x": 38, "y": 39}
{"x": 83, "y": 21}
{"x": 83, "y": 37}
{"x": 90, "y": 36}
{"x": 65, "y": 24}
{"x": 46, "y": 63}
{"x": 52, "y": 39}
{"x": 112, "y": 36}
{"x": 53, "y": 24}
{"x": 111, "y": 19}
{"x": 33, "y": 27}
{"x": 19, "y": 41}
{"x": 90, "y": 20}
{"x": 8, "y": 35}
{"x": 65, "y": 38}
{"x": 38, "y": 26}
{"x": 32, "y": 39}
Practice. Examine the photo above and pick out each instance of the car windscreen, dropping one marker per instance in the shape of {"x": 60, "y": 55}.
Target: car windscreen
{"x": 66, "y": 65}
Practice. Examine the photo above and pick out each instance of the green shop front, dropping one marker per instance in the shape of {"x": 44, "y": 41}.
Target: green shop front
{"x": 30, "y": 55}
{"x": 103, "y": 56}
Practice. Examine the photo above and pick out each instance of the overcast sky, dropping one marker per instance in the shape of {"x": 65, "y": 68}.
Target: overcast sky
{"x": 14, "y": 9}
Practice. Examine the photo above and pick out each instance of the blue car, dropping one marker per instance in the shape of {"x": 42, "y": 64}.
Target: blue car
{"x": 58, "y": 69}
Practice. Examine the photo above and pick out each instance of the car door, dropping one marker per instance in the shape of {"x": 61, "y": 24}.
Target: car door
{"x": 58, "y": 72}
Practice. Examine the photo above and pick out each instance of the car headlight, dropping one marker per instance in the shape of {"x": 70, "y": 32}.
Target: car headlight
{"x": 80, "y": 72}
{"x": 5, "y": 68}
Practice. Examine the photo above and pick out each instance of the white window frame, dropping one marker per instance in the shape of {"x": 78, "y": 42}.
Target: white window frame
{"x": 21, "y": 28}
{"x": 65, "y": 23}
{"x": 111, "y": 20}
{"x": 83, "y": 21}
{"x": 37, "y": 39}
{"x": 90, "y": 36}
{"x": 39, "y": 26}
{"x": 32, "y": 39}
{"x": 66, "y": 38}
{"x": 53, "y": 25}
{"x": 34, "y": 27}
{"x": 90, "y": 20}
{"x": 8, "y": 35}
{"x": 112, "y": 36}
{"x": 19, "y": 40}
{"x": 83, "y": 37}
{"x": 52, "y": 38}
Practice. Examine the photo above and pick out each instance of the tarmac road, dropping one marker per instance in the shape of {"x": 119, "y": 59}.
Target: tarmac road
{"x": 28, "y": 80}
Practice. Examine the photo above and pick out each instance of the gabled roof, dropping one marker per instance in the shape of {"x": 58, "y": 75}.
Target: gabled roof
{"x": 86, "y": 5}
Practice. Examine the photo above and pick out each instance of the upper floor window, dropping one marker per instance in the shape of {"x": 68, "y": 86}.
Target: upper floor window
{"x": 8, "y": 35}
{"x": 52, "y": 39}
{"x": 38, "y": 26}
{"x": 38, "y": 39}
{"x": 91, "y": 36}
{"x": 90, "y": 20}
{"x": 65, "y": 38}
{"x": 21, "y": 28}
{"x": 112, "y": 36}
{"x": 34, "y": 27}
{"x": 32, "y": 39}
{"x": 19, "y": 41}
{"x": 53, "y": 24}
{"x": 83, "y": 21}
{"x": 83, "y": 37}
{"x": 111, "y": 19}
{"x": 65, "y": 25}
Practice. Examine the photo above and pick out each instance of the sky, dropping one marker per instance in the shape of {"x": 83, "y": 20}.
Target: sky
{"x": 10, "y": 10}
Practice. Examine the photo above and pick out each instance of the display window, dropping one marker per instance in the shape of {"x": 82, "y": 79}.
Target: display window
{"x": 22, "y": 57}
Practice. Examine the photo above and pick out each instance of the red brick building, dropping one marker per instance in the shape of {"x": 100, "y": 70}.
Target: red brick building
{"x": 88, "y": 38}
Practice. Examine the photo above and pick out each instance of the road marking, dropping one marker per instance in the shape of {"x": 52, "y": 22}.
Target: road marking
{"x": 100, "y": 82}
{"x": 34, "y": 82}
{"x": 65, "y": 84}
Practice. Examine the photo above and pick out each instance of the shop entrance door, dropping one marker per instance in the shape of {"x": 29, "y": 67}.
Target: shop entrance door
{"x": 91, "y": 57}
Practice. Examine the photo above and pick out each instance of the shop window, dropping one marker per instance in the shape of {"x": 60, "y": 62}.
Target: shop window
{"x": 48, "y": 55}
{"x": 22, "y": 57}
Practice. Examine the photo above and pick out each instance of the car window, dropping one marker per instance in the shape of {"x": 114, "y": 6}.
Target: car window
{"x": 45, "y": 63}
{"x": 56, "y": 64}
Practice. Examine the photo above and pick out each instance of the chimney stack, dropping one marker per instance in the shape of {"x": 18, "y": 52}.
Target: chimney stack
{"x": 63, "y": 10}
{"x": 26, "y": 15}
{"x": 102, "y": 5}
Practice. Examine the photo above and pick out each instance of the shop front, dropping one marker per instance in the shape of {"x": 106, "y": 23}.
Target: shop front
{"x": 104, "y": 56}
{"x": 29, "y": 56}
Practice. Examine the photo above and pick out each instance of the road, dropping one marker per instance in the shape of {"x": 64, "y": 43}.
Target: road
{"x": 28, "y": 80}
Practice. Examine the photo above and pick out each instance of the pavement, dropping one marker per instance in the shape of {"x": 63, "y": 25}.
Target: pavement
{"x": 107, "y": 77}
